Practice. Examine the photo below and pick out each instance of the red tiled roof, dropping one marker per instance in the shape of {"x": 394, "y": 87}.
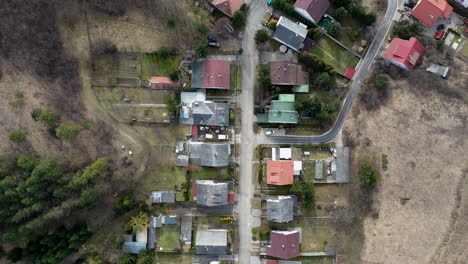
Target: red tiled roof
{"x": 195, "y": 131}
{"x": 229, "y": 7}
{"x": 163, "y": 82}
{"x": 231, "y": 197}
{"x": 284, "y": 245}
{"x": 216, "y": 74}
{"x": 350, "y": 73}
{"x": 286, "y": 73}
{"x": 406, "y": 52}
{"x": 280, "y": 172}
{"x": 428, "y": 11}
{"x": 315, "y": 8}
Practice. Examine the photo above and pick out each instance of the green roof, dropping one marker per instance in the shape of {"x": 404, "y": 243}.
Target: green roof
{"x": 275, "y": 116}
{"x": 282, "y": 105}
{"x": 286, "y": 97}
{"x": 262, "y": 118}
{"x": 301, "y": 88}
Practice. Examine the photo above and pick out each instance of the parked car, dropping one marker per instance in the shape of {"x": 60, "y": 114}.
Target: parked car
{"x": 440, "y": 26}
{"x": 409, "y": 4}
{"x": 212, "y": 38}
{"x": 269, "y": 2}
{"x": 213, "y": 44}
{"x": 439, "y": 34}
{"x": 270, "y": 132}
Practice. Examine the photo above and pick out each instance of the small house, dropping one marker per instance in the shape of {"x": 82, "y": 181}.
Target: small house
{"x": 210, "y": 193}
{"x": 280, "y": 172}
{"x": 162, "y": 197}
{"x": 281, "y": 111}
{"x": 312, "y": 10}
{"x": 290, "y": 34}
{"x": 228, "y": 7}
{"x": 209, "y": 154}
{"x": 283, "y": 72}
{"x": 211, "y": 74}
{"x": 211, "y": 242}
{"x": 280, "y": 209}
{"x": 405, "y": 54}
{"x": 429, "y": 11}
{"x": 284, "y": 244}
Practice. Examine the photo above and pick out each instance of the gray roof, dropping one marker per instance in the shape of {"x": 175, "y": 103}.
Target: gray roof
{"x": 209, "y": 154}
{"x": 342, "y": 165}
{"x": 182, "y": 160}
{"x": 438, "y": 69}
{"x": 186, "y": 230}
{"x": 163, "y": 197}
{"x": 318, "y": 169}
{"x": 289, "y": 33}
{"x": 280, "y": 210}
{"x": 211, "y": 242}
{"x": 205, "y": 113}
{"x": 210, "y": 193}
{"x": 151, "y": 237}
{"x": 196, "y": 74}
{"x": 156, "y": 221}
{"x": 187, "y": 98}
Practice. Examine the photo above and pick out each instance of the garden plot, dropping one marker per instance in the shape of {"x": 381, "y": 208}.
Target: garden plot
{"x": 335, "y": 55}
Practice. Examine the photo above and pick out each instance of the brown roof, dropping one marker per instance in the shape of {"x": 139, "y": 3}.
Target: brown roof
{"x": 315, "y": 8}
{"x": 164, "y": 83}
{"x": 229, "y": 7}
{"x": 216, "y": 74}
{"x": 287, "y": 73}
{"x": 284, "y": 244}
{"x": 280, "y": 172}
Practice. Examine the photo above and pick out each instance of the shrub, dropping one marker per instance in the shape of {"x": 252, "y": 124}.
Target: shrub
{"x": 137, "y": 223}
{"x": 272, "y": 24}
{"x": 46, "y": 115}
{"x": 406, "y": 29}
{"x": 341, "y": 14}
{"x": 239, "y": 19}
{"x": 202, "y": 49}
{"x": 341, "y": 3}
{"x": 315, "y": 33}
{"x": 172, "y": 104}
{"x": 381, "y": 81}
{"x": 68, "y": 131}
{"x": 171, "y": 23}
{"x": 369, "y": 177}
{"x": 314, "y": 63}
{"x": 261, "y": 36}
{"x": 201, "y": 28}
{"x": 334, "y": 29}
{"x": 360, "y": 14}
{"x": 111, "y": 49}
{"x": 283, "y": 5}
{"x": 17, "y": 136}
{"x": 264, "y": 76}
{"x": 325, "y": 80}
{"x": 87, "y": 124}
{"x": 175, "y": 75}
{"x": 19, "y": 95}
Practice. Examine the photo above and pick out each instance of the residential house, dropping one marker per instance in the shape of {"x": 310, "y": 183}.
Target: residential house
{"x": 170, "y": 220}
{"x": 290, "y": 34}
{"x": 162, "y": 197}
{"x": 283, "y": 72}
{"x": 211, "y": 193}
{"x": 211, "y": 242}
{"x": 280, "y": 209}
{"x": 284, "y": 244}
{"x": 280, "y": 172}
{"x": 136, "y": 242}
{"x": 209, "y": 154}
{"x": 228, "y": 7}
{"x": 186, "y": 230}
{"x": 205, "y": 113}
{"x": 211, "y": 74}
{"x": 163, "y": 83}
{"x": 281, "y": 153}
{"x": 281, "y": 111}
{"x": 429, "y": 11}
{"x": 312, "y": 10}
{"x": 405, "y": 53}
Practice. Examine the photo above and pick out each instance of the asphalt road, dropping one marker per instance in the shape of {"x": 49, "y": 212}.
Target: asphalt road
{"x": 358, "y": 77}
{"x": 249, "y": 61}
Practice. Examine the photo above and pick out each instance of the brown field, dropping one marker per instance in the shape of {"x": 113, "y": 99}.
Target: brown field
{"x": 419, "y": 211}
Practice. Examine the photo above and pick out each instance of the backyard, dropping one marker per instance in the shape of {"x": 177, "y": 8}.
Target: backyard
{"x": 315, "y": 238}
{"x": 335, "y": 55}
{"x": 207, "y": 173}
{"x": 163, "y": 178}
{"x": 156, "y": 65}
{"x": 169, "y": 237}
{"x": 172, "y": 258}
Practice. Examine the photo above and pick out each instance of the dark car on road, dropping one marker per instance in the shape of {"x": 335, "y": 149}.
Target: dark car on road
{"x": 212, "y": 38}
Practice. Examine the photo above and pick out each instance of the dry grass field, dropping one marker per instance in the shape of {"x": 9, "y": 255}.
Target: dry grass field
{"x": 419, "y": 211}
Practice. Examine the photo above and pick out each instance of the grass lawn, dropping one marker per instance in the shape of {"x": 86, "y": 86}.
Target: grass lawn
{"x": 163, "y": 178}
{"x": 113, "y": 95}
{"x": 154, "y": 65}
{"x": 313, "y": 238}
{"x": 169, "y": 237}
{"x": 335, "y": 55}
{"x": 143, "y": 114}
{"x": 464, "y": 51}
{"x": 309, "y": 171}
{"x": 314, "y": 260}
{"x": 236, "y": 77}
{"x": 172, "y": 258}
{"x": 206, "y": 173}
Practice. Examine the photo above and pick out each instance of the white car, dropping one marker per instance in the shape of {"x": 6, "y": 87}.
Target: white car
{"x": 270, "y": 132}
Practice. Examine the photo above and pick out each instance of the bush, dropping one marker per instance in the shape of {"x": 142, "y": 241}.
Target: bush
{"x": 341, "y": 3}
{"x": 369, "y": 177}
{"x": 325, "y": 80}
{"x": 239, "y": 19}
{"x": 46, "y": 115}
{"x": 201, "y": 28}
{"x": 334, "y": 29}
{"x": 261, "y": 36}
{"x": 315, "y": 33}
{"x": 137, "y": 223}
{"x": 264, "y": 76}
{"x": 360, "y": 14}
{"x": 111, "y": 49}
{"x": 19, "y": 95}
{"x": 381, "y": 81}
{"x": 272, "y": 24}
{"x": 314, "y": 63}
{"x": 172, "y": 104}
{"x": 175, "y": 75}
{"x": 202, "y": 49}
{"x": 125, "y": 204}
{"x": 17, "y": 136}
{"x": 307, "y": 104}
{"x": 341, "y": 14}
{"x": 171, "y": 23}
{"x": 87, "y": 124}
{"x": 405, "y": 29}
{"x": 283, "y": 5}
{"x": 68, "y": 131}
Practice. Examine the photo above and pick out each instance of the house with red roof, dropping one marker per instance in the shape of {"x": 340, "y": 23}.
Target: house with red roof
{"x": 211, "y": 74}
{"x": 429, "y": 11}
{"x": 280, "y": 172}
{"x": 405, "y": 54}
{"x": 163, "y": 83}
{"x": 312, "y": 10}
{"x": 283, "y": 72}
{"x": 228, "y": 7}
{"x": 284, "y": 244}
